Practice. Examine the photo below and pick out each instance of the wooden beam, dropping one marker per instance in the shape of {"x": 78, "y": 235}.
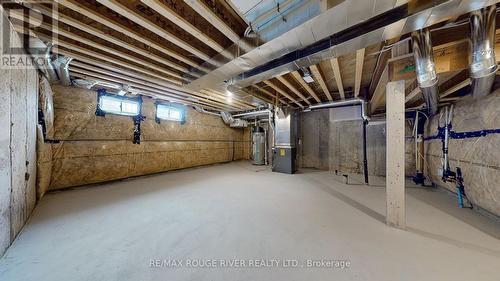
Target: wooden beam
{"x": 316, "y": 72}
{"x": 134, "y": 79}
{"x": 283, "y": 93}
{"x": 338, "y": 78}
{"x": 107, "y": 49}
{"x": 272, "y": 95}
{"x": 151, "y": 80}
{"x": 304, "y": 85}
{"x": 360, "y": 58}
{"x": 140, "y": 20}
{"x": 292, "y": 88}
{"x": 75, "y": 6}
{"x": 96, "y": 72}
{"x": 223, "y": 99}
{"x": 452, "y": 57}
{"x": 172, "y": 16}
{"x": 100, "y": 56}
{"x": 207, "y": 13}
{"x": 378, "y": 97}
{"x": 104, "y": 65}
{"x": 104, "y": 36}
{"x": 457, "y": 87}
{"x": 413, "y": 94}
{"x": 140, "y": 90}
{"x": 234, "y": 98}
{"x": 395, "y": 170}
{"x": 250, "y": 91}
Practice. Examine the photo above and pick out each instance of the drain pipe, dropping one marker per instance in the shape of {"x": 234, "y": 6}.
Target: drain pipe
{"x": 484, "y": 66}
{"x": 364, "y": 116}
{"x": 420, "y": 119}
{"x": 448, "y": 114}
{"x": 426, "y": 69}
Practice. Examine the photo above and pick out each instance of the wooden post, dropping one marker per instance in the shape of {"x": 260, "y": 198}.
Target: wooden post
{"x": 395, "y": 172}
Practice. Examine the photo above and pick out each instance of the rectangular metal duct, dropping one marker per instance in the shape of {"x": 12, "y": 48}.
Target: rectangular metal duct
{"x": 351, "y": 25}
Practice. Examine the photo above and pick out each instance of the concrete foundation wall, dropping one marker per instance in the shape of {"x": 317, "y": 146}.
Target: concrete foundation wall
{"x": 18, "y": 119}
{"x": 479, "y": 158}
{"x": 332, "y": 145}
{"x": 94, "y": 149}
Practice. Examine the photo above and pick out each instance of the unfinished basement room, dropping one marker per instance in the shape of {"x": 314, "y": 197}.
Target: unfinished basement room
{"x": 211, "y": 140}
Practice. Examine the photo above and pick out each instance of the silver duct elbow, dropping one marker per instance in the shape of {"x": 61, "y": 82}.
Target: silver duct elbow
{"x": 484, "y": 66}
{"x": 63, "y": 70}
{"x": 426, "y": 69}
{"x": 49, "y": 66}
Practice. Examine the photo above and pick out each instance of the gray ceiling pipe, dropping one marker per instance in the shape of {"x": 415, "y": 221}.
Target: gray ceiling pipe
{"x": 48, "y": 68}
{"x": 256, "y": 113}
{"x": 61, "y": 65}
{"x": 426, "y": 68}
{"x": 484, "y": 66}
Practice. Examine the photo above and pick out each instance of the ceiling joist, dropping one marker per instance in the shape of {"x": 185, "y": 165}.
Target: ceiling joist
{"x": 304, "y": 85}
{"x": 319, "y": 77}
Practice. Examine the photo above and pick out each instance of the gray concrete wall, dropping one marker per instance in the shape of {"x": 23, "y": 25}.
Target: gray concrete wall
{"x": 338, "y": 145}
{"x": 18, "y": 120}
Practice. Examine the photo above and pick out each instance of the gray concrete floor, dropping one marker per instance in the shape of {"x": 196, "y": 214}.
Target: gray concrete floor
{"x": 240, "y": 212}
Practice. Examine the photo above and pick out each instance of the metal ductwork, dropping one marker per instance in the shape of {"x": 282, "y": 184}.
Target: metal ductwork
{"x": 257, "y": 113}
{"x": 62, "y": 69}
{"x": 48, "y": 67}
{"x": 204, "y": 111}
{"x": 426, "y": 69}
{"x": 232, "y": 122}
{"x": 484, "y": 66}
{"x": 350, "y": 26}
{"x": 342, "y": 103}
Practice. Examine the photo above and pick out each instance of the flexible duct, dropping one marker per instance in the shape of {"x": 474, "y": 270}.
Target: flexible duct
{"x": 426, "y": 69}
{"x": 484, "y": 66}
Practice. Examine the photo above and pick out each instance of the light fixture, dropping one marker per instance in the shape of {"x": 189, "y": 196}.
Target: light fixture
{"x": 306, "y": 75}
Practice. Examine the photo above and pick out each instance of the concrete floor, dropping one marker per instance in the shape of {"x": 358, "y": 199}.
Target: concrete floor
{"x": 240, "y": 212}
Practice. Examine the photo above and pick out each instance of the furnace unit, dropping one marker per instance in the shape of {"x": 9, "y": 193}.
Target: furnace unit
{"x": 285, "y": 149}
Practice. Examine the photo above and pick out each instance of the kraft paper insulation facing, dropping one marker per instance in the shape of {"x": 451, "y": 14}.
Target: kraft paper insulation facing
{"x": 94, "y": 149}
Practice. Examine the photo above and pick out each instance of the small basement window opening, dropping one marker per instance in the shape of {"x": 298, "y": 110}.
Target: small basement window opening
{"x": 168, "y": 112}
{"x": 119, "y": 105}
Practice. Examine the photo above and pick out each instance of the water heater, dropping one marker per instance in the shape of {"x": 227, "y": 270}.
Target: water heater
{"x": 258, "y": 146}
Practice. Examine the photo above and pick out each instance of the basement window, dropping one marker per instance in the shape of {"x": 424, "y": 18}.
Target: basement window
{"x": 119, "y": 105}
{"x": 169, "y": 112}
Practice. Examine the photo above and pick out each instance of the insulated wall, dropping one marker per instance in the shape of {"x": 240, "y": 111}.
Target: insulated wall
{"x": 93, "y": 149}
{"x": 18, "y": 120}
{"x": 479, "y": 158}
